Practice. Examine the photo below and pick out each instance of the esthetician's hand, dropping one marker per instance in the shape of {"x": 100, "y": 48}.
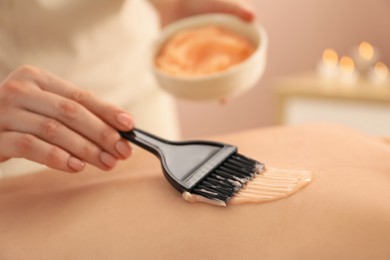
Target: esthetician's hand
{"x": 48, "y": 120}
{"x": 172, "y": 10}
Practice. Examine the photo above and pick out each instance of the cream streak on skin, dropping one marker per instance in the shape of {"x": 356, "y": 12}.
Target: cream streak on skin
{"x": 269, "y": 185}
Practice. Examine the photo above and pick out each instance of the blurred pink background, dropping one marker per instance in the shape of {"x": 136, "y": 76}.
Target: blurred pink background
{"x": 298, "y": 32}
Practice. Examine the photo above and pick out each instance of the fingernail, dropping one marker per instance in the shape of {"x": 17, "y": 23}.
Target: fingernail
{"x": 123, "y": 148}
{"x": 76, "y": 164}
{"x": 248, "y": 17}
{"x": 125, "y": 120}
{"x": 107, "y": 159}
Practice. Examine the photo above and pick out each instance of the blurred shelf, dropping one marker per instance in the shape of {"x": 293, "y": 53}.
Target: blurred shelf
{"x": 314, "y": 86}
{"x": 310, "y": 98}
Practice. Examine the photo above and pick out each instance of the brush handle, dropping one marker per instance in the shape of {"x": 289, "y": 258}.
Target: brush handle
{"x": 152, "y": 143}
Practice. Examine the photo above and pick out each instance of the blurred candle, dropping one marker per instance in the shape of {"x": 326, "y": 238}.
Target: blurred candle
{"x": 327, "y": 67}
{"x": 347, "y": 70}
{"x": 365, "y": 56}
{"x": 366, "y": 51}
{"x": 379, "y": 73}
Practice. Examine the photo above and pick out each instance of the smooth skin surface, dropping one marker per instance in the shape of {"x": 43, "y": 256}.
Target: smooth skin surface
{"x": 134, "y": 213}
{"x": 172, "y": 10}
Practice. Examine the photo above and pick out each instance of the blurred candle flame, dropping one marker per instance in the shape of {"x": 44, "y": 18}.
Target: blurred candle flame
{"x": 366, "y": 50}
{"x": 346, "y": 65}
{"x": 381, "y": 70}
{"x": 330, "y": 57}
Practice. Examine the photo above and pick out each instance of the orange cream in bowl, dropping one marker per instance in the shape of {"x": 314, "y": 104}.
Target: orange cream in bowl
{"x": 203, "y": 50}
{"x": 209, "y": 56}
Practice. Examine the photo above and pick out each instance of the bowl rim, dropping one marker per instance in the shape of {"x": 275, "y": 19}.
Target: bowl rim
{"x": 260, "y": 48}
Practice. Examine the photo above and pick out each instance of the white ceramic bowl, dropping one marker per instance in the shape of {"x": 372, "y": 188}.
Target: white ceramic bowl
{"x": 228, "y": 83}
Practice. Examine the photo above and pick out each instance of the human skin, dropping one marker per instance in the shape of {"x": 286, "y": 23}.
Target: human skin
{"x": 46, "y": 119}
{"x": 134, "y": 213}
{"x": 172, "y": 10}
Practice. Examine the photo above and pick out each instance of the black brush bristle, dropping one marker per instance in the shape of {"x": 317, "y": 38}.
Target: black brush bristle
{"x": 228, "y": 178}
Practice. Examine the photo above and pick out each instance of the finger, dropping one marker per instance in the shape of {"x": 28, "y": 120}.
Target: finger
{"x": 54, "y": 132}
{"x": 76, "y": 117}
{"x": 223, "y": 101}
{"x": 241, "y": 10}
{"x": 32, "y": 148}
{"x": 113, "y": 115}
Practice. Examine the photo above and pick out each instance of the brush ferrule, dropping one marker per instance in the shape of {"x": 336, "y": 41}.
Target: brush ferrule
{"x": 209, "y": 166}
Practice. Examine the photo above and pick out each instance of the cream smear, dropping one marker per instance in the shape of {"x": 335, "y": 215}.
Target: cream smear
{"x": 271, "y": 184}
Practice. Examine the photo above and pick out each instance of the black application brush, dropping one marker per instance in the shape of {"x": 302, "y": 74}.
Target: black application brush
{"x": 210, "y": 169}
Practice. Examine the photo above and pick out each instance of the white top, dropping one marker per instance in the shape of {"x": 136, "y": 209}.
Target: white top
{"x": 100, "y": 45}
